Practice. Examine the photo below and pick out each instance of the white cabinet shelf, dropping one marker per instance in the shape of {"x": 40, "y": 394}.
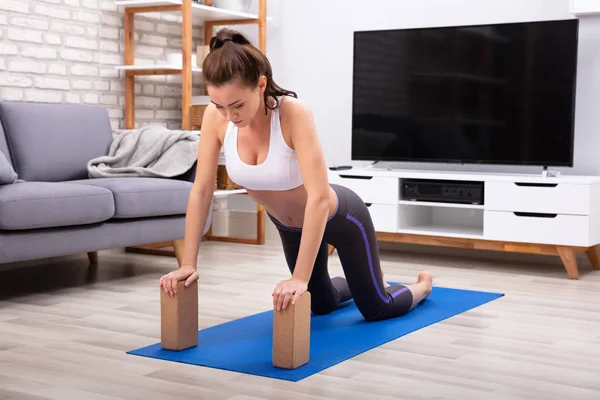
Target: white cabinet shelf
{"x": 433, "y": 204}
{"x": 445, "y": 230}
{"x": 225, "y": 193}
{"x": 206, "y": 13}
{"x": 440, "y": 219}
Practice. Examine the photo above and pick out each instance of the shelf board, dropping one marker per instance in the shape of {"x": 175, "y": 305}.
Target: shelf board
{"x": 440, "y": 204}
{"x": 150, "y": 68}
{"x": 207, "y": 13}
{"x": 445, "y": 230}
{"x": 145, "y": 3}
{"x": 583, "y": 8}
{"x": 225, "y": 193}
{"x": 585, "y": 13}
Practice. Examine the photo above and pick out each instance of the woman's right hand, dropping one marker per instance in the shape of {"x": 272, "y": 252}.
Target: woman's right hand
{"x": 169, "y": 281}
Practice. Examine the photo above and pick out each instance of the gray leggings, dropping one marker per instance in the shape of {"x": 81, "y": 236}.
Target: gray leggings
{"x": 350, "y": 230}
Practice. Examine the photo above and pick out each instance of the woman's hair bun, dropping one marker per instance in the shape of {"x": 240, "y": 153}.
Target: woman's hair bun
{"x": 233, "y": 57}
{"x": 227, "y": 35}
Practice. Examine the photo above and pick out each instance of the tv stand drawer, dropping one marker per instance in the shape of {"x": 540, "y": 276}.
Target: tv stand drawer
{"x": 539, "y": 227}
{"x": 561, "y": 198}
{"x": 371, "y": 189}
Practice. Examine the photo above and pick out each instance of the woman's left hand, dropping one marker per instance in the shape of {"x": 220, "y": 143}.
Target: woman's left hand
{"x": 288, "y": 291}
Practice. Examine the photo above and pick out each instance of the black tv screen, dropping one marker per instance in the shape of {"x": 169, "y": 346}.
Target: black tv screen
{"x": 488, "y": 94}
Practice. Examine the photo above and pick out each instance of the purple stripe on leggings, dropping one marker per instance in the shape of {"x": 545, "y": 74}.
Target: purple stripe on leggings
{"x": 397, "y": 292}
{"x": 366, "y": 239}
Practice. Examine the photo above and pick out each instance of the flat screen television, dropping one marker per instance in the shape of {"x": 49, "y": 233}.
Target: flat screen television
{"x": 486, "y": 94}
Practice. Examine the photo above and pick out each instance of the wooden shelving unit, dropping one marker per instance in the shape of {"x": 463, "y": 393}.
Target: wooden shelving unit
{"x": 191, "y": 13}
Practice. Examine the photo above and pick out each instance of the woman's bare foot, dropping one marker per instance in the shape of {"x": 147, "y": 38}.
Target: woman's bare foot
{"x": 421, "y": 289}
{"x": 426, "y": 279}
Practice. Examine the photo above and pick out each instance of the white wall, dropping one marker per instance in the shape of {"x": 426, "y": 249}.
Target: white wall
{"x": 312, "y": 53}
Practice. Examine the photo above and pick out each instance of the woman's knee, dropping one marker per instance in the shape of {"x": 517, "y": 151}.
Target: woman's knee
{"x": 371, "y": 313}
{"x": 397, "y": 307}
{"x": 380, "y": 315}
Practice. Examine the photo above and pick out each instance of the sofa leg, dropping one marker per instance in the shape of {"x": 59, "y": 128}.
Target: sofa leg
{"x": 93, "y": 257}
{"x": 178, "y": 248}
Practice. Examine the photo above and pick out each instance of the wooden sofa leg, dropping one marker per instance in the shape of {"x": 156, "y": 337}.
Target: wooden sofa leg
{"x": 93, "y": 257}
{"x": 568, "y": 257}
{"x": 178, "y": 248}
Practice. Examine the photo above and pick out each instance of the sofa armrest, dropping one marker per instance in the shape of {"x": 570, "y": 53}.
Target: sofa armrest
{"x": 189, "y": 175}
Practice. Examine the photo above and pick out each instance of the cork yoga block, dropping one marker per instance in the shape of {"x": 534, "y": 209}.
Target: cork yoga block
{"x": 291, "y": 334}
{"x": 179, "y": 317}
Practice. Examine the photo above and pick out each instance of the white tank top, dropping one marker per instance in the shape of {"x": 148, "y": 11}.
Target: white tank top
{"x": 279, "y": 171}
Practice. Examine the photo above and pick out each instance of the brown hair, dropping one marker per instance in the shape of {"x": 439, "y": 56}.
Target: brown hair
{"x": 232, "y": 56}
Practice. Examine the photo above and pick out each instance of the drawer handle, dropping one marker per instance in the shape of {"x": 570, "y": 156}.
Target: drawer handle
{"x": 535, "y": 215}
{"x": 355, "y": 176}
{"x": 532, "y": 184}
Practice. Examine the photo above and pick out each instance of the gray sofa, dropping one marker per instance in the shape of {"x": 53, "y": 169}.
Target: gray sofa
{"x": 48, "y": 205}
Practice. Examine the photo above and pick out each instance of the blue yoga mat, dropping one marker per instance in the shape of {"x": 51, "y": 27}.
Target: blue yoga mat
{"x": 245, "y": 345}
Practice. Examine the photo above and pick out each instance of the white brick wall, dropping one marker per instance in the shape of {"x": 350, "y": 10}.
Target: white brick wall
{"x": 64, "y": 51}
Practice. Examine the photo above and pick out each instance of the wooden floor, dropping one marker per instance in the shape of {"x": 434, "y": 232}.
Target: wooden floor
{"x": 65, "y": 328}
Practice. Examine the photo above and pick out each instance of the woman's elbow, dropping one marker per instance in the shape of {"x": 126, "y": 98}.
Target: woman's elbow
{"x": 318, "y": 201}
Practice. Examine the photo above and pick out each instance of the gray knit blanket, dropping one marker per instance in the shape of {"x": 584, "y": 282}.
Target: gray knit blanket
{"x": 151, "y": 151}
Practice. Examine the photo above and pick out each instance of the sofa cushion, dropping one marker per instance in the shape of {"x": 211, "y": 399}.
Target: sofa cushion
{"x": 54, "y": 142}
{"x": 138, "y": 197}
{"x": 32, "y": 205}
{"x": 7, "y": 173}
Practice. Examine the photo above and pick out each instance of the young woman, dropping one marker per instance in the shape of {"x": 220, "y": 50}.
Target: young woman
{"x": 272, "y": 149}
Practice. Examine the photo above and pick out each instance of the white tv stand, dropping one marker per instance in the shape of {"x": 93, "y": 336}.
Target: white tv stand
{"x": 554, "y": 215}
